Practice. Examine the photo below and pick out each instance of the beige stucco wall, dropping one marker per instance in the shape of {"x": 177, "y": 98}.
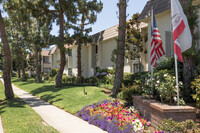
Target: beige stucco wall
{"x": 74, "y": 61}
{"x": 105, "y": 50}
{"x": 55, "y": 59}
{"x": 163, "y": 23}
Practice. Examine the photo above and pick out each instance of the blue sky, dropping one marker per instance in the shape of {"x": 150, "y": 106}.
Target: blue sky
{"x": 108, "y": 17}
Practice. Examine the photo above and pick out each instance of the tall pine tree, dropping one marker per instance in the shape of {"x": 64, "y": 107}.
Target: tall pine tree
{"x": 87, "y": 14}
{"x": 7, "y": 60}
{"x": 120, "y": 48}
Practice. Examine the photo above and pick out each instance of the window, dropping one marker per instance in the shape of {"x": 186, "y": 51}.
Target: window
{"x": 69, "y": 52}
{"x": 46, "y": 59}
{"x": 136, "y": 67}
{"x": 96, "y": 49}
{"x": 70, "y": 72}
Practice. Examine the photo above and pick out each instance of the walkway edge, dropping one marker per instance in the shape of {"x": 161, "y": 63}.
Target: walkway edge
{"x": 1, "y": 126}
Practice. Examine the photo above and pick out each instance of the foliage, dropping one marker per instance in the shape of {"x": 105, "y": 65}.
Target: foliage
{"x": 196, "y": 87}
{"x": 134, "y": 45}
{"x": 18, "y": 117}
{"x": 169, "y": 64}
{"x": 184, "y": 127}
{"x": 128, "y": 92}
{"x": 60, "y": 97}
{"x": 86, "y": 14}
{"x": 106, "y": 86}
{"x": 165, "y": 85}
{"x": 113, "y": 117}
{"x": 53, "y": 72}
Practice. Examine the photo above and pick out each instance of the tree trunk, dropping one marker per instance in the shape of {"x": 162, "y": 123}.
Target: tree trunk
{"x": 120, "y": 48}
{"x": 7, "y": 62}
{"x": 188, "y": 76}
{"x": 62, "y": 50}
{"x": 79, "y": 46}
{"x": 23, "y": 67}
{"x": 18, "y": 68}
{"x": 38, "y": 76}
{"x": 79, "y": 60}
{"x": 19, "y": 74}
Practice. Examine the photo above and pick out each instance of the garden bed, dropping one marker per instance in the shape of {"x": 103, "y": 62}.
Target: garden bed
{"x": 156, "y": 112}
{"x": 112, "y": 116}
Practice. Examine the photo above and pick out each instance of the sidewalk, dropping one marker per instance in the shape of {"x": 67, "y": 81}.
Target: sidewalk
{"x": 62, "y": 121}
{"x": 1, "y": 126}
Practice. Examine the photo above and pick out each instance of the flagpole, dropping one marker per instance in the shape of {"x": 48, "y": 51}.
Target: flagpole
{"x": 176, "y": 66}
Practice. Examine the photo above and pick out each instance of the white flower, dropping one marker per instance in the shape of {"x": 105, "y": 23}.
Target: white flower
{"x": 131, "y": 109}
{"x": 158, "y": 82}
{"x": 137, "y": 125}
{"x": 180, "y": 83}
{"x": 175, "y": 99}
{"x": 165, "y": 75}
{"x": 173, "y": 77}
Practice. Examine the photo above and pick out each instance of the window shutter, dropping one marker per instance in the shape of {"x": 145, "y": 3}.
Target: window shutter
{"x": 69, "y": 61}
{"x": 169, "y": 48}
{"x": 93, "y": 53}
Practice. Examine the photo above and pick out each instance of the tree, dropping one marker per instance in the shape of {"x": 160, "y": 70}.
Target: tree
{"x": 133, "y": 46}
{"x": 64, "y": 13}
{"x": 120, "y": 47}
{"x": 87, "y": 12}
{"x": 17, "y": 27}
{"x": 191, "y": 56}
{"x": 7, "y": 61}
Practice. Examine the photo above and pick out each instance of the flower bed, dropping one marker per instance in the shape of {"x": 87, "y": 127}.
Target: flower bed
{"x": 114, "y": 117}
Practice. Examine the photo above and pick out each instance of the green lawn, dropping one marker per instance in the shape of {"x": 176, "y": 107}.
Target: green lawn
{"x": 69, "y": 98}
{"x": 18, "y": 117}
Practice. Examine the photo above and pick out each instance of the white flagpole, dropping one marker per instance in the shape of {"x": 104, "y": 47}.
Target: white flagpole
{"x": 176, "y": 66}
{"x": 150, "y": 53}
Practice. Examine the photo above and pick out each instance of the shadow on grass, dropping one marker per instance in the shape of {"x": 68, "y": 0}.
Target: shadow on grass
{"x": 15, "y": 103}
{"x": 49, "y": 88}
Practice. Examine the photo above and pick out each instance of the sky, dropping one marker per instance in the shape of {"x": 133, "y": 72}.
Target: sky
{"x": 108, "y": 17}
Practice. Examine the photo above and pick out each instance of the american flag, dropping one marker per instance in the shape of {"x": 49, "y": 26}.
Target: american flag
{"x": 157, "y": 50}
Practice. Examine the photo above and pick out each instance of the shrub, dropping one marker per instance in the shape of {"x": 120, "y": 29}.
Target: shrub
{"x": 53, "y": 72}
{"x": 92, "y": 80}
{"x": 128, "y": 92}
{"x": 106, "y": 86}
{"x": 165, "y": 85}
{"x": 196, "y": 87}
{"x": 183, "y": 127}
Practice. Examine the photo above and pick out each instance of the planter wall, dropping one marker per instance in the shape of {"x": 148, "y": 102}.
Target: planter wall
{"x": 155, "y": 111}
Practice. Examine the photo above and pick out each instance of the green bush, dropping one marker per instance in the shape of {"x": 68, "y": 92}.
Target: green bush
{"x": 106, "y": 86}
{"x": 196, "y": 87}
{"x": 92, "y": 80}
{"x": 178, "y": 127}
{"x": 128, "y": 92}
{"x": 53, "y": 72}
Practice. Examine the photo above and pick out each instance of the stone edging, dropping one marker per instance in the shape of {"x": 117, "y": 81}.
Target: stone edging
{"x": 156, "y": 112}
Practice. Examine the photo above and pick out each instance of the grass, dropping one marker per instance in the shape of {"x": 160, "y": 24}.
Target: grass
{"x": 70, "y": 98}
{"x": 18, "y": 117}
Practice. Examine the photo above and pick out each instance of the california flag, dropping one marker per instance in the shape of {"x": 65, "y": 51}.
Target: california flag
{"x": 181, "y": 32}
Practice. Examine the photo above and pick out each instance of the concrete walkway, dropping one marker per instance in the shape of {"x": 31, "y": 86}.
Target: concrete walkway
{"x": 62, "y": 121}
{"x": 1, "y": 126}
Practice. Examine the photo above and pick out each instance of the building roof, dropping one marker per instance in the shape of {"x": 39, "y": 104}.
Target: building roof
{"x": 53, "y": 50}
{"x": 105, "y": 34}
{"x": 158, "y": 6}
{"x": 45, "y": 53}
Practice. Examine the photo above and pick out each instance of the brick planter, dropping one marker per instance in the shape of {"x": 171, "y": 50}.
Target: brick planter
{"x": 155, "y": 111}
